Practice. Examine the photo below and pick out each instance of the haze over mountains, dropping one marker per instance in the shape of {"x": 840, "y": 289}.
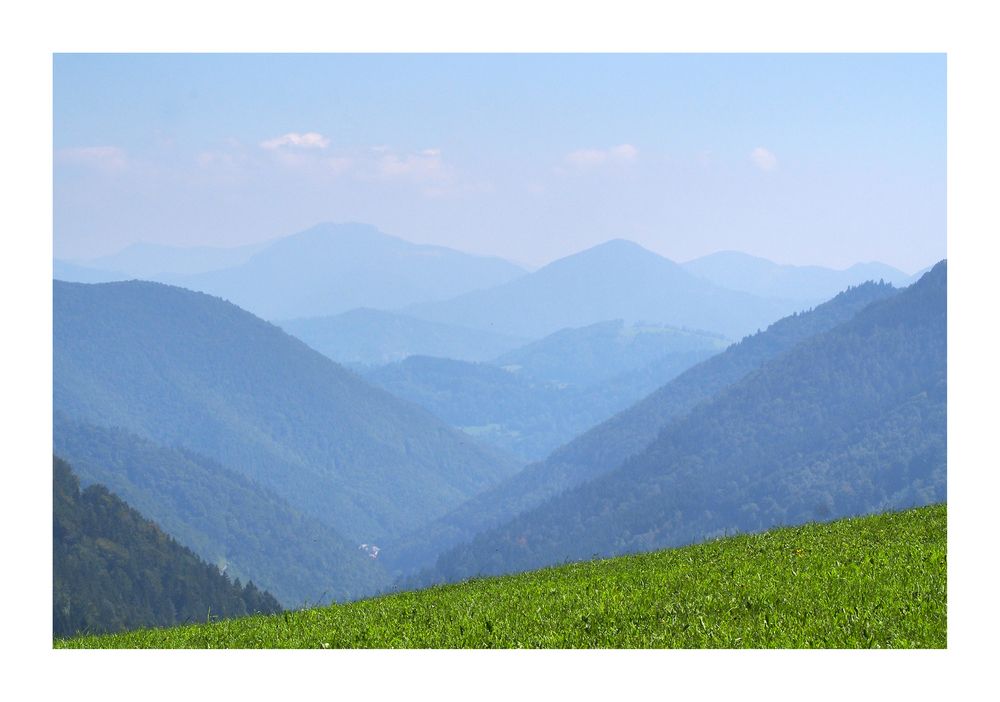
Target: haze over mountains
{"x": 531, "y": 400}
{"x": 615, "y": 280}
{"x": 849, "y": 421}
{"x": 366, "y": 337}
{"x": 804, "y": 284}
{"x": 186, "y": 369}
{"x": 607, "y": 445}
{"x": 329, "y": 269}
{"x": 310, "y": 279}
{"x": 612, "y": 373}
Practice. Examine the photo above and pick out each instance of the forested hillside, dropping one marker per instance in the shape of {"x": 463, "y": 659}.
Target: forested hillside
{"x": 222, "y": 516}
{"x": 851, "y": 421}
{"x": 515, "y": 412}
{"x": 604, "y": 447}
{"x": 590, "y": 356}
{"x": 115, "y": 570}
{"x": 185, "y": 369}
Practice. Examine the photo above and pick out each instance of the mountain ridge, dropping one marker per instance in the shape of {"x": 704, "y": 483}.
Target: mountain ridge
{"x": 849, "y": 421}
{"x": 188, "y": 369}
{"x": 607, "y": 445}
{"x": 615, "y": 280}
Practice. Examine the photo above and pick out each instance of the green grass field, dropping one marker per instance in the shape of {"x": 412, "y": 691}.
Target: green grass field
{"x": 872, "y": 582}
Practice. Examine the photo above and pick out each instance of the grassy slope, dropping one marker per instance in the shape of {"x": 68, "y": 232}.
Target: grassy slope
{"x": 868, "y": 582}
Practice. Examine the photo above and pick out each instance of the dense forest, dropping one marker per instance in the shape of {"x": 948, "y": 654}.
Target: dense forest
{"x": 115, "y": 570}
{"x": 604, "y": 447}
{"x": 592, "y": 355}
{"x": 222, "y": 516}
{"x": 523, "y": 413}
{"x": 850, "y": 421}
{"x": 185, "y": 369}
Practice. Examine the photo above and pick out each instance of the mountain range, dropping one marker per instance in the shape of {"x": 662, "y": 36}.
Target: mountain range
{"x": 534, "y": 399}
{"x": 803, "y": 284}
{"x": 849, "y": 421}
{"x": 184, "y": 369}
{"x": 489, "y": 419}
{"x": 606, "y": 446}
{"x": 391, "y": 288}
{"x": 614, "y": 280}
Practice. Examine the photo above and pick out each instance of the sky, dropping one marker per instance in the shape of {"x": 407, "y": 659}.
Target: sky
{"x": 799, "y": 158}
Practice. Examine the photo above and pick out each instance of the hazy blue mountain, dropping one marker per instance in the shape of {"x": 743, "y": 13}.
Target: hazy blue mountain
{"x": 75, "y": 273}
{"x": 615, "y": 280}
{"x": 547, "y": 392}
{"x": 222, "y": 516}
{"x": 607, "y": 445}
{"x": 189, "y": 370}
{"x": 367, "y": 337}
{"x": 155, "y": 261}
{"x": 516, "y": 413}
{"x": 333, "y": 268}
{"x": 810, "y": 284}
{"x": 590, "y": 355}
{"x": 113, "y": 569}
{"x": 850, "y": 421}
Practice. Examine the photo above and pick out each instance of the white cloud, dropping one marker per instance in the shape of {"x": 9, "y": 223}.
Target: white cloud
{"x": 589, "y": 158}
{"x": 764, "y": 159}
{"x": 108, "y": 158}
{"x": 309, "y": 140}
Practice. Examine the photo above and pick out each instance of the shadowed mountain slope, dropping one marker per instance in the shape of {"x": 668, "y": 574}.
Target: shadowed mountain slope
{"x": 604, "y": 447}
{"x": 115, "y": 570}
{"x": 189, "y": 370}
{"x": 850, "y": 421}
{"x": 222, "y": 516}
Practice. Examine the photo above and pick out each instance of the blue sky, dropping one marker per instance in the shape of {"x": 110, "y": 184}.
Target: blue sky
{"x": 826, "y": 159}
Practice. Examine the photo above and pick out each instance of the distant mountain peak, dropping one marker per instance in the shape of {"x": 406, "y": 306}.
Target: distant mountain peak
{"x": 611, "y": 253}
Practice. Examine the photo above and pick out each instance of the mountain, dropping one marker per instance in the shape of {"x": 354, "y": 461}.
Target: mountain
{"x": 607, "y": 445}
{"x": 333, "y": 268}
{"x": 367, "y": 337}
{"x": 187, "y": 370}
{"x": 590, "y": 355}
{"x": 549, "y": 391}
{"x": 114, "y": 570}
{"x": 850, "y": 421}
{"x": 809, "y": 284}
{"x": 615, "y": 280}
{"x": 223, "y": 517}
{"x": 526, "y": 417}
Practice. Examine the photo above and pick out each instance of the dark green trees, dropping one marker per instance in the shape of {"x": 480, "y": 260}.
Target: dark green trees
{"x": 115, "y": 570}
